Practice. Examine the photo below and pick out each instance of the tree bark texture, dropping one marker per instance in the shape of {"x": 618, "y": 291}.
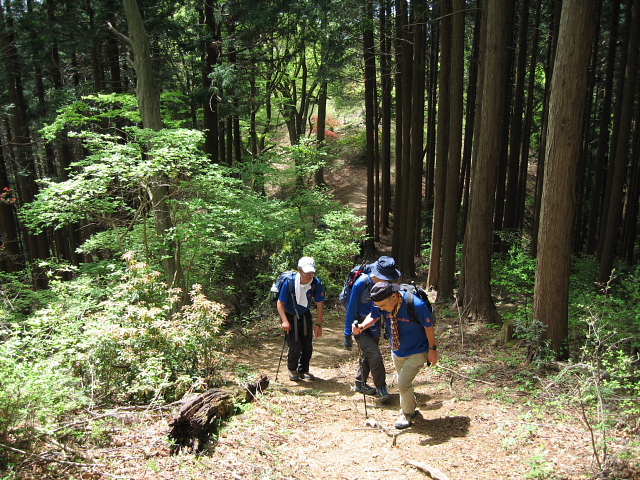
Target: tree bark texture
{"x": 475, "y": 288}
{"x": 368, "y": 47}
{"x": 564, "y": 146}
{"x": 148, "y": 95}
{"x": 614, "y": 214}
{"x": 454, "y": 153}
{"x": 442, "y": 145}
{"x": 200, "y": 417}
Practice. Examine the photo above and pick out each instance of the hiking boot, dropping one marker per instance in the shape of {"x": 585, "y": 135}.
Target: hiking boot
{"x": 293, "y": 375}
{"x": 383, "y": 394}
{"x": 404, "y": 420}
{"x": 364, "y": 388}
{"x": 307, "y": 376}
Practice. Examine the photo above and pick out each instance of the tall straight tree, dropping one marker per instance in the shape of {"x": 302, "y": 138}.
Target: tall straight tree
{"x": 514, "y": 165}
{"x": 454, "y": 153}
{"x": 386, "y": 104}
{"x": 148, "y": 95}
{"x": 404, "y": 58}
{"x": 442, "y": 144}
{"x": 10, "y": 254}
{"x": 470, "y": 118}
{"x": 621, "y": 151}
{"x": 563, "y": 150}
{"x": 210, "y": 104}
{"x": 474, "y": 295}
{"x": 368, "y": 48}
{"x": 416, "y": 153}
{"x": 604, "y": 123}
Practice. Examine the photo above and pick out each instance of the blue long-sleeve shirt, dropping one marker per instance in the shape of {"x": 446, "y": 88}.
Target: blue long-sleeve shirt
{"x": 360, "y": 304}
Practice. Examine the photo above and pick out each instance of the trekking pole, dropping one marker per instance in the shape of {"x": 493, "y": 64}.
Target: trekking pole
{"x": 281, "y": 354}
{"x": 364, "y": 395}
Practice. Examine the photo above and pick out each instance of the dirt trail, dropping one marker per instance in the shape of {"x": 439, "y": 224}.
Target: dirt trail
{"x": 318, "y": 429}
{"x": 469, "y": 430}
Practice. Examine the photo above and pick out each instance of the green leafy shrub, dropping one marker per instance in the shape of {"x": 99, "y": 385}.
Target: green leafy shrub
{"x": 139, "y": 351}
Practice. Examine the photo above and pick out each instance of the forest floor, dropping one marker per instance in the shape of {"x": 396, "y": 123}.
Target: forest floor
{"x": 477, "y": 420}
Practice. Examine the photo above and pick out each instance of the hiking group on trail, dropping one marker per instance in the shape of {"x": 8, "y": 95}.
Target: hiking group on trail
{"x": 368, "y": 295}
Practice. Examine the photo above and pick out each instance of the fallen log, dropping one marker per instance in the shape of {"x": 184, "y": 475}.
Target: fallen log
{"x": 201, "y": 416}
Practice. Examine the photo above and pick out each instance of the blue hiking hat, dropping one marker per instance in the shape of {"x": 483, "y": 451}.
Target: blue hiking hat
{"x": 385, "y": 269}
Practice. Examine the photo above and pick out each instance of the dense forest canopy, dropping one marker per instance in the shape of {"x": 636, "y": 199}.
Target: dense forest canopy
{"x": 161, "y": 162}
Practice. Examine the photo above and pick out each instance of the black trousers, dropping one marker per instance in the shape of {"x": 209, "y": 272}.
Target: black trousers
{"x": 300, "y": 351}
{"x": 370, "y": 360}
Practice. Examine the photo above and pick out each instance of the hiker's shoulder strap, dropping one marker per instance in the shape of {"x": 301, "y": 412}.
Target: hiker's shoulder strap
{"x": 410, "y": 299}
{"x": 366, "y": 290}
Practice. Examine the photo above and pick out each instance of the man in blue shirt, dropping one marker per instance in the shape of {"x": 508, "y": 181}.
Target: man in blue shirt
{"x": 293, "y": 305}
{"x": 358, "y": 308}
{"x": 412, "y": 343}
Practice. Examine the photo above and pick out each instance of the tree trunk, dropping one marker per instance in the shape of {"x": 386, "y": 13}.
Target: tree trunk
{"x": 452, "y": 199}
{"x": 369, "y": 88}
{"x": 321, "y": 126}
{"x": 516, "y": 138}
{"x": 148, "y": 96}
{"x": 210, "y": 104}
{"x": 440, "y": 180}
{"x": 597, "y": 189}
{"x": 11, "y": 258}
{"x": 465, "y": 174}
{"x": 564, "y": 145}
{"x": 386, "y": 102}
{"x": 19, "y": 139}
{"x": 528, "y": 122}
{"x": 412, "y": 239}
{"x": 614, "y": 213}
{"x": 543, "y": 135}
{"x": 632, "y": 197}
{"x": 201, "y": 416}
{"x": 475, "y": 284}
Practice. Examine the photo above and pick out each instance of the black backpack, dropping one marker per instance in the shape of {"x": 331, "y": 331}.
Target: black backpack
{"x": 411, "y": 290}
{"x": 354, "y": 274}
{"x": 289, "y": 274}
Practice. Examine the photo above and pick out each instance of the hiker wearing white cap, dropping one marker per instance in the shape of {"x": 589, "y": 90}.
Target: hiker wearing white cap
{"x": 293, "y": 306}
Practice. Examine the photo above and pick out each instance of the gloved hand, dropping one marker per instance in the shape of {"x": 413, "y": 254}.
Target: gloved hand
{"x": 348, "y": 342}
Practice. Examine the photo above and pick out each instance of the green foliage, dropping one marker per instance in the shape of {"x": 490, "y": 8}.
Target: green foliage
{"x": 18, "y": 299}
{"x": 513, "y": 279}
{"x": 37, "y": 371}
{"x": 103, "y": 112}
{"x": 541, "y": 468}
{"x": 37, "y": 392}
{"x": 602, "y": 380}
{"x": 106, "y": 110}
{"x": 515, "y": 271}
{"x": 108, "y": 335}
{"x": 109, "y": 183}
{"x": 333, "y": 254}
{"x": 139, "y": 351}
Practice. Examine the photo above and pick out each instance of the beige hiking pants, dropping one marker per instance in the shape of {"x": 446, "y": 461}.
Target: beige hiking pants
{"x": 407, "y": 368}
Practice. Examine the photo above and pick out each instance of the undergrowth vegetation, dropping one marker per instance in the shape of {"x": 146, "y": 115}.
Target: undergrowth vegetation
{"x": 601, "y": 380}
